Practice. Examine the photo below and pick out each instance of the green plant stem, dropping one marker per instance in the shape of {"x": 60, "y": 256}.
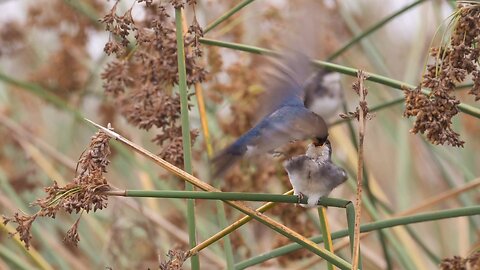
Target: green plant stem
{"x": 8, "y": 192}
{"x": 325, "y": 231}
{"x": 468, "y": 109}
{"x": 13, "y": 259}
{"x": 389, "y": 223}
{"x": 369, "y": 48}
{"x": 447, "y": 177}
{"x": 350, "y": 215}
{"x": 186, "y": 140}
{"x": 228, "y": 196}
{"x": 372, "y": 29}
{"x": 223, "y": 222}
{"x": 37, "y": 258}
{"x": 86, "y": 9}
{"x": 227, "y": 15}
{"x": 40, "y": 92}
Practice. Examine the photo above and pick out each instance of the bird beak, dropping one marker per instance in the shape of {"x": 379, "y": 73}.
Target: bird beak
{"x": 319, "y": 142}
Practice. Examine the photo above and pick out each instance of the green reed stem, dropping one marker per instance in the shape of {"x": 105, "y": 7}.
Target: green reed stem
{"x": 186, "y": 140}
{"x": 325, "y": 231}
{"x": 231, "y": 196}
{"x": 40, "y": 92}
{"x": 468, "y": 109}
{"x": 86, "y": 9}
{"x": 9, "y": 192}
{"x": 389, "y": 223}
{"x": 13, "y": 259}
{"x": 350, "y": 212}
{"x": 372, "y": 29}
{"x": 227, "y": 15}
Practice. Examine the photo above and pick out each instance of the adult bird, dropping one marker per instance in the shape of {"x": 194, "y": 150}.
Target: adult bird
{"x": 324, "y": 93}
{"x": 287, "y": 118}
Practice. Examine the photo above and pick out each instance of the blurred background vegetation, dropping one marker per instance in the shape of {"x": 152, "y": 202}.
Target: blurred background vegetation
{"x": 54, "y": 71}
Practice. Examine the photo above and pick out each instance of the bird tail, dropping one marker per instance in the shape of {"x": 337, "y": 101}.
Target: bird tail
{"x": 222, "y": 162}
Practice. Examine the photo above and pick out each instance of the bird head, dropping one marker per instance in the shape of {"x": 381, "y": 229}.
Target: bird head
{"x": 320, "y": 141}
{"x": 323, "y": 93}
{"x": 323, "y": 151}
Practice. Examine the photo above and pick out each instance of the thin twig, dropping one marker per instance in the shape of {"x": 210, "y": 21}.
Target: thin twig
{"x": 362, "y": 111}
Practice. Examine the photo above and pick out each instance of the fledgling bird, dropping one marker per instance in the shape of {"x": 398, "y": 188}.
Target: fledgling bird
{"x": 313, "y": 174}
{"x": 287, "y": 117}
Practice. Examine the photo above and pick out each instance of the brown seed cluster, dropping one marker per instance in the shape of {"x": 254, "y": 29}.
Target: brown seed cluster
{"x": 84, "y": 193}
{"x": 175, "y": 260}
{"x": 60, "y": 66}
{"x": 471, "y": 262}
{"x": 64, "y": 71}
{"x": 453, "y": 64}
{"x": 12, "y": 38}
{"x": 358, "y": 86}
{"x": 141, "y": 79}
{"x": 433, "y": 116}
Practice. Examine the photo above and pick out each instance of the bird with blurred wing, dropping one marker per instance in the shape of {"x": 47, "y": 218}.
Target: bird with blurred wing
{"x": 295, "y": 105}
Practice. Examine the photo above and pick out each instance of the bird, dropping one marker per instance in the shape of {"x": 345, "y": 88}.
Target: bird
{"x": 324, "y": 93}
{"x": 287, "y": 119}
{"x": 314, "y": 175}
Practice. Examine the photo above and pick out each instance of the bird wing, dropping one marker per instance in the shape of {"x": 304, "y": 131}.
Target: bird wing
{"x": 289, "y": 123}
{"x": 331, "y": 174}
{"x": 284, "y": 82}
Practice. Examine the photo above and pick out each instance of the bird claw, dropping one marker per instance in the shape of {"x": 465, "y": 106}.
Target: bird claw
{"x": 300, "y": 197}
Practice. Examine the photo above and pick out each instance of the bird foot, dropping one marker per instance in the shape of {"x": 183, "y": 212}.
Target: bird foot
{"x": 300, "y": 197}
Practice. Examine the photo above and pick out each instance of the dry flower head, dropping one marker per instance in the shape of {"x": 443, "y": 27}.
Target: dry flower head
{"x": 175, "y": 260}
{"x": 471, "y": 262}
{"x": 455, "y": 61}
{"x": 84, "y": 193}
{"x": 141, "y": 79}
{"x": 359, "y": 88}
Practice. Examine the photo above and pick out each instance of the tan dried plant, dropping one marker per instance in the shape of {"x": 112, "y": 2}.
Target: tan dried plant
{"x": 141, "y": 77}
{"x": 84, "y": 194}
{"x": 453, "y": 63}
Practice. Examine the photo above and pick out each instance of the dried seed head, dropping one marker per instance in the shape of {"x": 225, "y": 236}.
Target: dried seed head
{"x": 177, "y": 3}
{"x": 84, "y": 193}
{"x": 12, "y": 38}
{"x": 459, "y": 263}
{"x": 147, "y": 102}
{"x": 475, "y": 91}
{"x": 433, "y": 115}
{"x": 175, "y": 260}
{"x": 72, "y": 234}
{"x": 24, "y": 224}
{"x": 453, "y": 63}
